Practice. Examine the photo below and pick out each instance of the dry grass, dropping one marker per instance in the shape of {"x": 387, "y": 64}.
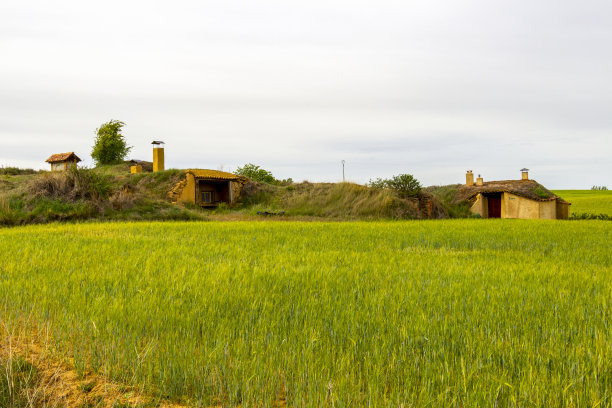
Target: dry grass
{"x": 72, "y": 185}
{"x": 53, "y": 382}
{"x": 346, "y": 201}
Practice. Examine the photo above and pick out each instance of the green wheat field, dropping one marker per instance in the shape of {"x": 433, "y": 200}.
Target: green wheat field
{"x": 588, "y": 201}
{"x": 459, "y": 313}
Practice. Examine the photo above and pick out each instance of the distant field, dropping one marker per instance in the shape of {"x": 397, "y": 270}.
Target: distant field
{"x": 462, "y": 313}
{"x": 588, "y": 201}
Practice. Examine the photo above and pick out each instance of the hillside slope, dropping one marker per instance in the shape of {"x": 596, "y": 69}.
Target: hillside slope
{"x": 338, "y": 201}
{"x": 112, "y": 193}
{"x": 102, "y": 193}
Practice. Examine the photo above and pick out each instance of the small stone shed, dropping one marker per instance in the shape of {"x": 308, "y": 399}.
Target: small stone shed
{"x": 62, "y": 161}
{"x": 207, "y": 188}
{"x": 146, "y": 166}
{"x": 524, "y": 198}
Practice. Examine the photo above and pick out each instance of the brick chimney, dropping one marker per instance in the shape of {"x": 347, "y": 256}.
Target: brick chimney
{"x": 525, "y": 174}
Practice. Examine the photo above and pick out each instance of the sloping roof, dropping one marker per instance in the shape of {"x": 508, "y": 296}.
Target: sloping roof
{"x": 530, "y": 189}
{"x": 61, "y": 157}
{"x": 212, "y": 174}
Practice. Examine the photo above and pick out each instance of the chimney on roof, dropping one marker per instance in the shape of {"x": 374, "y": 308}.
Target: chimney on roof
{"x": 525, "y": 174}
{"x": 158, "y": 155}
{"x": 479, "y": 181}
{"x": 469, "y": 178}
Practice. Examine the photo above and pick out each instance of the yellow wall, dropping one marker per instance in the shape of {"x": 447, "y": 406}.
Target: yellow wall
{"x": 188, "y": 195}
{"x": 513, "y": 206}
{"x": 136, "y": 169}
{"x": 562, "y": 210}
{"x": 158, "y": 159}
{"x": 479, "y": 207}
{"x": 548, "y": 210}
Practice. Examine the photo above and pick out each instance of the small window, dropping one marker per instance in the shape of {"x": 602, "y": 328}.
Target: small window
{"x": 207, "y": 196}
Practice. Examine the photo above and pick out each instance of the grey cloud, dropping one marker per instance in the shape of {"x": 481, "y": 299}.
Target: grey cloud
{"x": 426, "y": 87}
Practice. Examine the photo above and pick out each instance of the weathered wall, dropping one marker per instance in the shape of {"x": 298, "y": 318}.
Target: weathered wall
{"x": 562, "y": 210}
{"x": 513, "y": 206}
{"x": 236, "y": 190}
{"x": 480, "y": 206}
{"x": 520, "y": 207}
{"x": 188, "y": 194}
{"x": 548, "y": 210}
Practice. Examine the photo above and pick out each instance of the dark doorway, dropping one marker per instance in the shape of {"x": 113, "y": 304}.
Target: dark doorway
{"x": 494, "y": 205}
{"x": 212, "y": 192}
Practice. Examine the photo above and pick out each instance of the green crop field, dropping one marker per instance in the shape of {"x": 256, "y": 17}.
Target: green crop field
{"x": 588, "y": 201}
{"x": 460, "y": 313}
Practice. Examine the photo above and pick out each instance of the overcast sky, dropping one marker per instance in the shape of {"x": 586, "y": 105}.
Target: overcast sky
{"x": 429, "y": 87}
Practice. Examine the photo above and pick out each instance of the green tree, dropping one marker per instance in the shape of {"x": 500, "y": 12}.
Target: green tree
{"x": 110, "y": 146}
{"x": 405, "y": 184}
{"x": 256, "y": 173}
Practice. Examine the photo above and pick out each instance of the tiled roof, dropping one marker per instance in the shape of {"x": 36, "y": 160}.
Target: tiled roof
{"x": 61, "y": 157}
{"x": 212, "y": 174}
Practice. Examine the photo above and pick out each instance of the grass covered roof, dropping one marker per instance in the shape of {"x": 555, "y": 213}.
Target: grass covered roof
{"x": 530, "y": 189}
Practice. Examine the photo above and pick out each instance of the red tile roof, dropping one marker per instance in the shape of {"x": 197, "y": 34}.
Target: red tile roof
{"x": 62, "y": 157}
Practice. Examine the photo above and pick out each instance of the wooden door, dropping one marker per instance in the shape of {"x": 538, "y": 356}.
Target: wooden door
{"x": 495, "y": 207}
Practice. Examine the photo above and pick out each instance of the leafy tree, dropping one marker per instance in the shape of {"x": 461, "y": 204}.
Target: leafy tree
{"x": 110, "y": 146}
{"x": 256, "y": 173}
{"x": 405, "y": 184}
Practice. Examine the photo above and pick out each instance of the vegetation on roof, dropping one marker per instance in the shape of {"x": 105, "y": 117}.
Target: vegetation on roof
{"x": 525, "y": 188}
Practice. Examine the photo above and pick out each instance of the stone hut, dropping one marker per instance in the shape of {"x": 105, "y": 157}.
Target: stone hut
{"x": 62, "y": 161}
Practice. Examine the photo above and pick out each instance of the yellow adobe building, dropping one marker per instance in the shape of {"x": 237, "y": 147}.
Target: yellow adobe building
{"x": 522, "y": 198}
{"x": 207, "y": 188}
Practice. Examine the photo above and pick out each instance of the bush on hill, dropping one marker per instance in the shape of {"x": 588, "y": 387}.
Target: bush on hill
{"x": 405, "y": 185}
{"x": 256, "y": 173}
{"x": 16, "y": 171}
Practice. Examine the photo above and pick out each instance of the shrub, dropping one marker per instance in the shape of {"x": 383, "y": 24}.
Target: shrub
{"x": 590, "y": 216}
{"x": 540, "y": 192}
{"x": 599, "y": 188}
{"x": 255, "y": 173}
{"x": 405, "y": 185}
{"x": 16, "y": 171}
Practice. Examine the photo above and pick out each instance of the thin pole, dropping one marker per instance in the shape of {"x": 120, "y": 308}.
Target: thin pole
{"x": 343, "y": 171}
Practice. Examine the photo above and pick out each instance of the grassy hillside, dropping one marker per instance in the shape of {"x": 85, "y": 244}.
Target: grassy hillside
{"x": 447, "y": 313}
{"x": 588, "y": 201}
{"x": 102, "y": 193}
{"x": 112, "y": 193}
{"x": 336, "y": 201}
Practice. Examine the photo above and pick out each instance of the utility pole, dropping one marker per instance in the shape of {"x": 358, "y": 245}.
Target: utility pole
{"x": 343, "y": 170}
